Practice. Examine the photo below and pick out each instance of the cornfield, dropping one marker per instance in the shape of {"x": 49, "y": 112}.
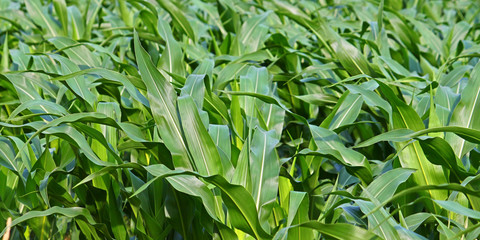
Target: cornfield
{"x": 239, "y": 119}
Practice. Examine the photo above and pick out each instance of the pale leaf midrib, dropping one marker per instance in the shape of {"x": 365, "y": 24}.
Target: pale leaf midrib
{"x": 260, "y": 182}
{"x": 170, "y": 116}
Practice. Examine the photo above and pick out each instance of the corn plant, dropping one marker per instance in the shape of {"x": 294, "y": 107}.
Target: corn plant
{"x": 232, "y": 119}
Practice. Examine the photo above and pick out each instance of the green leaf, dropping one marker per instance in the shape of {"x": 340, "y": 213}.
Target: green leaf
{"x": 172, "y": 56}
{"x": 118, "y": 228}
{"x": 163, "y": 98}
{"x": 439, "y": 152}
{"x": 417, "y": 189}
{"x": 327, "y": 142}
{"x": 351, "y": 58}
{"x": 243, "y": 214}
{"x": 36, "y": 12}
{"x": 251, "y": 34}
{"x": 195, "y": 87}
{"x": 380, "y": 221}
{"x": 458, "y": 208}
{"x": 401, "y": 135}
{"x": 338, "y": 231}
{"x": 264, "y": 167}
{"x": 385, "y": 186}
{"x": 7, "y": 157}
{"x": 61, "y": 11}
{"x": 91, "y": 15}
{"x": 411, "y": 155}
{"x": 201, "y": 146}
{"x": 79, "y": 54}
{"x": 298, "y": 214}
{"x": 5, "y": 54}
{"x": 68, "y": 212}
{"x": 110, "y": 75}
{"x": 370, "y": 97}
{"x": 178, "y": 17}
{"x": 348, "y": 111}
{"x": 228, "y": 74}
{"x": 221, "y": 137}
{"x": 464, "y": 114}
{"x": 79, "y": 86}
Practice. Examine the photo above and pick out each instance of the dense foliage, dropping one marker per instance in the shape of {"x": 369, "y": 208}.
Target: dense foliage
{"x": 231, "y": 119}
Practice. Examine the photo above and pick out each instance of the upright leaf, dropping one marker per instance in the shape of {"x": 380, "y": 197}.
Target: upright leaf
{"x": 171, "y": 60}
{"x": 163, "y": 98}
{"x": 466, "y": 114}
{"x": 201, "y": 146}
{"x": 298, "y": 214}
{"x": 41, "y": 17}
{"x": 264, "y": 167}
{"x": 178, "y": 17}
{"x": 411, "y": 155}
